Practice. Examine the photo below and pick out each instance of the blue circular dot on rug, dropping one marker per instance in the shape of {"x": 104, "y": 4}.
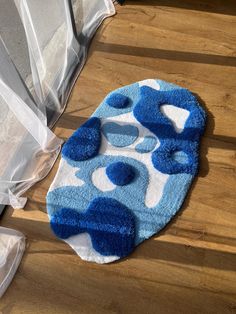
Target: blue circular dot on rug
{"x": 180, "y": 157}
{"x": 117, "y": 100}
{"x": 120, "y": 173}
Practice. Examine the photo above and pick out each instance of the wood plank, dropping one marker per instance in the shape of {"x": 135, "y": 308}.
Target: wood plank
{"x": 191, "y": 265}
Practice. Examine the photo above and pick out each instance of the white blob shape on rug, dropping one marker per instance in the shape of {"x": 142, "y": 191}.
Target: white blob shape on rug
{"x": 101, "y": 181}
{"x": 82, "y": 244}
{"x": 178, "y": 116}
{"x": 151, "y": 83}
{"x": 65, "y": 176}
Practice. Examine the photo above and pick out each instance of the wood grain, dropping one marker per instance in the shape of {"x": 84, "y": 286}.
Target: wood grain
{"x": 190, "y": 267}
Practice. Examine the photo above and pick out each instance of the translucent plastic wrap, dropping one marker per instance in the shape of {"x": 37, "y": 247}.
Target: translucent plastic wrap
{"x": 36, "y": 77}
{"x": 27, "y": 146}
{"x": 12, "y": 246}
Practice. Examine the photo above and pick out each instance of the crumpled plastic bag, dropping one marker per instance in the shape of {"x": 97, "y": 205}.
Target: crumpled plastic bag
{"x": 12, "y": 246}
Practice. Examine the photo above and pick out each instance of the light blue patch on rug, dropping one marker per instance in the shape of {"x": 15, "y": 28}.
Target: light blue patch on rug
{"x": 180, "y": 157}
{"x": 147, "y": 145}
{"x": 107, "y": 199}
{"x": 120, "y": 135}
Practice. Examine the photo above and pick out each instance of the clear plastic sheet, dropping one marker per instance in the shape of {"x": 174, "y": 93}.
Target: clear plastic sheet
{"x": 12, "y": 246}
{"x": 43, "y": 48}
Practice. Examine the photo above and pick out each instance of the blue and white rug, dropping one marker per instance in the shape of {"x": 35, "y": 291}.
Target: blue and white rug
{"x": 125, "y": 173}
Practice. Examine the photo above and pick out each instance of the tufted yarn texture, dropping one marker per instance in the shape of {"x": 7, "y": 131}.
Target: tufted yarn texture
{"x": 126, "y": 171}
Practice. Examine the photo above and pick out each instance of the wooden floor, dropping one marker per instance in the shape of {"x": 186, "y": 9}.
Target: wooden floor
{"x": 190, "y": 267}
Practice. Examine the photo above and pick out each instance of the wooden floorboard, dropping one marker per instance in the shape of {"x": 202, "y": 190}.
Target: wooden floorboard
{"x": 190, "y": 267}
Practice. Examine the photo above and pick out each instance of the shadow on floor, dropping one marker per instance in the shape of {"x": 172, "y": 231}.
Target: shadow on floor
{"x": 185, "y": 255}
{"x": 166, "y": 54}
{"x": 211, "y": 6}
{"x": 68, "y": 121}
{"x": 153, "y": 248}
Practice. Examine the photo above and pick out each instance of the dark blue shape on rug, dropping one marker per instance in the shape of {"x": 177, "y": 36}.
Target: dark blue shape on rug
{"x": 85, "y": 142}
{"x": 148, "y": 113}
{"x": 110, "y": 224}
{"x": 164, "y": 160}
{"x": 147, "y": 145}
{"x": 117, "y": 100}
{"x": 120, "y": 135}
{"x": 120, "y": 173}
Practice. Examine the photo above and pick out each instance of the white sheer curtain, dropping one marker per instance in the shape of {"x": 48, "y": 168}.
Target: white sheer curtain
{"x": 43, "y": 47}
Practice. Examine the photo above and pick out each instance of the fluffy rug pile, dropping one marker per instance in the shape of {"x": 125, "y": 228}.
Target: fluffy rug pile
{"x": 125, "y": 173}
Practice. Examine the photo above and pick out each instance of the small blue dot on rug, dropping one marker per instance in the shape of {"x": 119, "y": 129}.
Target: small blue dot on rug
{"x": 180, "y": 157}
{"x": 124, "y": 174}
{"x": 117, "y": 100}
{"x": 120, "y": 173}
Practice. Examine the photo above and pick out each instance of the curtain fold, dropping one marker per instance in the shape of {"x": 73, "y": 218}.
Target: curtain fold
{"x": 36, "y": 77}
